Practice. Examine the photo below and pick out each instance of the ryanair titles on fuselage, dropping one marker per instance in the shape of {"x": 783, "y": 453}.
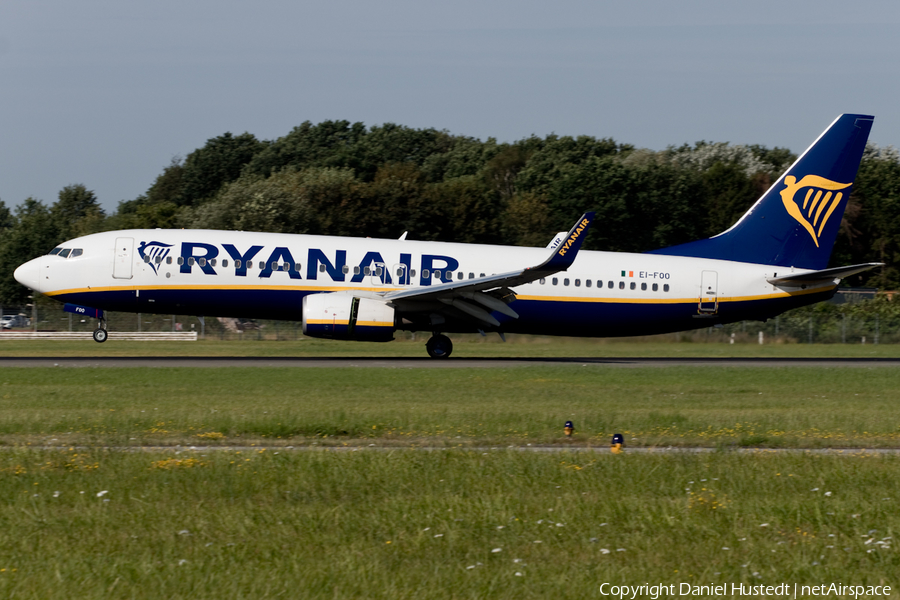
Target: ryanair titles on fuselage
{"x": 212, "y": 258}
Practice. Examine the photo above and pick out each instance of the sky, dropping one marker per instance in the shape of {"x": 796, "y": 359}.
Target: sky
{"x": 106, "y": 93}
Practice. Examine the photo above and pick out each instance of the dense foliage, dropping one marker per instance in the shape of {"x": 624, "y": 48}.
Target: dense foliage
{"x": 342, "y": 178}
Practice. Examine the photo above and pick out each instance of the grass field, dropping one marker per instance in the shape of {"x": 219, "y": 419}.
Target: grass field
{"x": 440, "y": 524}
{"x": 681, "y": 406}
{"x": 319, "y": 513}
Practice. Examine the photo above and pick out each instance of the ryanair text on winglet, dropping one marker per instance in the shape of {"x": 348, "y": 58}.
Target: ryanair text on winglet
{"x": 581, "y": 227}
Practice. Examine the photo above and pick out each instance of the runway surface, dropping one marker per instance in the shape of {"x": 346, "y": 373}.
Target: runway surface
{"x": 428, "y": 363}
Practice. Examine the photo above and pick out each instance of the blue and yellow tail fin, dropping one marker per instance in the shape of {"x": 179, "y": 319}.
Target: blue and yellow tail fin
{"x": 795, "y": 223}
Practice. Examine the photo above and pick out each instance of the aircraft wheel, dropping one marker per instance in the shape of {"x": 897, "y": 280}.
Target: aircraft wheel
{"x": 100, "y": 335}
{"x": 439, "y": 346}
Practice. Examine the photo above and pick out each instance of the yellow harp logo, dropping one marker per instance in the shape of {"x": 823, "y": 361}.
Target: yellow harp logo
{"x": 818, "y": 203}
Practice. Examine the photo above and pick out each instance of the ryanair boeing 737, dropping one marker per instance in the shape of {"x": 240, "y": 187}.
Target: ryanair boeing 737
{"x": 773, "y": 259}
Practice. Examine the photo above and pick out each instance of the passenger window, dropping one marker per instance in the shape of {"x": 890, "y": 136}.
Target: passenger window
{"x": 621, "y": 285}
{"x": 237, "y": 263}
{"x": 655, "y": 287}
{"x": 367, "y": 271}
{"x": 146, "y": 258}
{"x": 190, "y": 261}
{"x": 426, "y": 274}
{"x": 643, "y": 287}
{"x": 665, "y": 287}
{"x": 609, "y": 285}
{"x": 633, "y": 285}
{"x": 249, "y": 264}
{"x": 566, "y": 281}
{"x": 158, "y": 259}
{"x": 321, "y": 268}
{"x": 400, "y": 272}
{"x": 554, "y": 281}
{"x": 460, "y": 275}
{"x": 224, "y": 262}
{"x": 471, "y": 275}
{"x": 543, "y": 280}
{"x": 212, "y": 262}
{"x": 77, "y": 252}
{"x": 379, "y": 271}
{"x": 345, "y": 269}
{"x": 180, "y": 260}
{"x": 65, "y": 252}
{"x": 577, "y": 283}
{"x": 587, "y": 283}
{"x": 202, "y": 262}
{"x": 168, "y": 260}
{"x": 356, "y": 270}
{"x": 262, "y": 265}
{"x": 412, "y": 273}
{"x": 482, "y": 275}
{"x": 437, "y": 274}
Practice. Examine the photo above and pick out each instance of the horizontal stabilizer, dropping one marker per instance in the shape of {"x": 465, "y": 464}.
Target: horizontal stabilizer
{"x": 823, "y": 275}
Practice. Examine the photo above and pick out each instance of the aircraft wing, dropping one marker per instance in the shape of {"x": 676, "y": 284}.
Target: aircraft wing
{"x": 823, "y": 275}
{"x": 470, "y": 296}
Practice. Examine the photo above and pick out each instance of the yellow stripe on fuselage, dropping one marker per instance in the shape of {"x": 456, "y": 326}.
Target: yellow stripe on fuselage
{"x": 300, "y": 288}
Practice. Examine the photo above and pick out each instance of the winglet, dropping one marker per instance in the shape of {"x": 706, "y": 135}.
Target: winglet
{"x": 564, "y": 254}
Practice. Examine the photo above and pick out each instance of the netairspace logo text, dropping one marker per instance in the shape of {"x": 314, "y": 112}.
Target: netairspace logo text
{"x": 782, "y": 590}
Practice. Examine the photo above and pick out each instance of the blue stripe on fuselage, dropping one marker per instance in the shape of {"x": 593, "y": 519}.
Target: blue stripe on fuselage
{"x": 539, "y": 317}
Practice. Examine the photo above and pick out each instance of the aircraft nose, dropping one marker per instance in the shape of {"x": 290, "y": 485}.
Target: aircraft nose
{"x": 29, "y": 274}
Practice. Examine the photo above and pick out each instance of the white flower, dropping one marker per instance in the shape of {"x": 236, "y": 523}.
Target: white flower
{"x": 764, "y": 525}
{"x": 518, "y": 574}
{"x": 496, "y": 550}
{"x": 56, "y": 494}
{"x": 439, "y": 535}
{"x": 814, "y": 490}
{"x": 184, "y": 532}
{"x": 604, "y": 551}
{"x": 103, "y": 493}
{"x": 620, "y": 549}
{"x": 827, "y": 493}
{"x": 470, "y": 567}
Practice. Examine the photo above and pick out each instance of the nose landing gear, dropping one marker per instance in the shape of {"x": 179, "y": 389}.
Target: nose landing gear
{"x": 439, "y": 346}
{"x": 100, "y": 334}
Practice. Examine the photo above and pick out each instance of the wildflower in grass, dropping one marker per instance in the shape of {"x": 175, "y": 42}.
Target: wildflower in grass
{"x": 103, "y": 493}
{"x": 604, "y": 551}
{"x": 496, "y": 550}
{"x": 827, "y": 493}
{"x": 518, "y": 574}
{"x": 211, "y": 435}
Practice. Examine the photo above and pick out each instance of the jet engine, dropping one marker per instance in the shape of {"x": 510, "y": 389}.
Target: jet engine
{"x": 343, "y": 316}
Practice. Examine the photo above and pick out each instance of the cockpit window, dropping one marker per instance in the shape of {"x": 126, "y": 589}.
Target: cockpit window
{"x": 54, "y": 252}
{"x": 76, "y": 252}
{"x": 65, "y": 252}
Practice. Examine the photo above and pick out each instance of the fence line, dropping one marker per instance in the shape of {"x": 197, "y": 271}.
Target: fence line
{"x": 133, "y": 336}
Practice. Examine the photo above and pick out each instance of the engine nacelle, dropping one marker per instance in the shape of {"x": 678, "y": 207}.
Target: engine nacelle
{"x": 343, "y": 316}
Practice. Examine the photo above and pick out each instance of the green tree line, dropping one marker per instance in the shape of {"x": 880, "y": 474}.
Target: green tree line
{"x": 343, "y": 178}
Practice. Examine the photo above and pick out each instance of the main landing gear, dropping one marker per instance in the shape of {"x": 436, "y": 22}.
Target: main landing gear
{"x": 439, "y": 346}
{"x": 100, "y": 334}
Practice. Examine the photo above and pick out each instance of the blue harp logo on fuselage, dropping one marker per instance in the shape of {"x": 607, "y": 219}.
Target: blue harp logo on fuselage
{"x": 813, "y": 209}
{"x": 153, "y": 253}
